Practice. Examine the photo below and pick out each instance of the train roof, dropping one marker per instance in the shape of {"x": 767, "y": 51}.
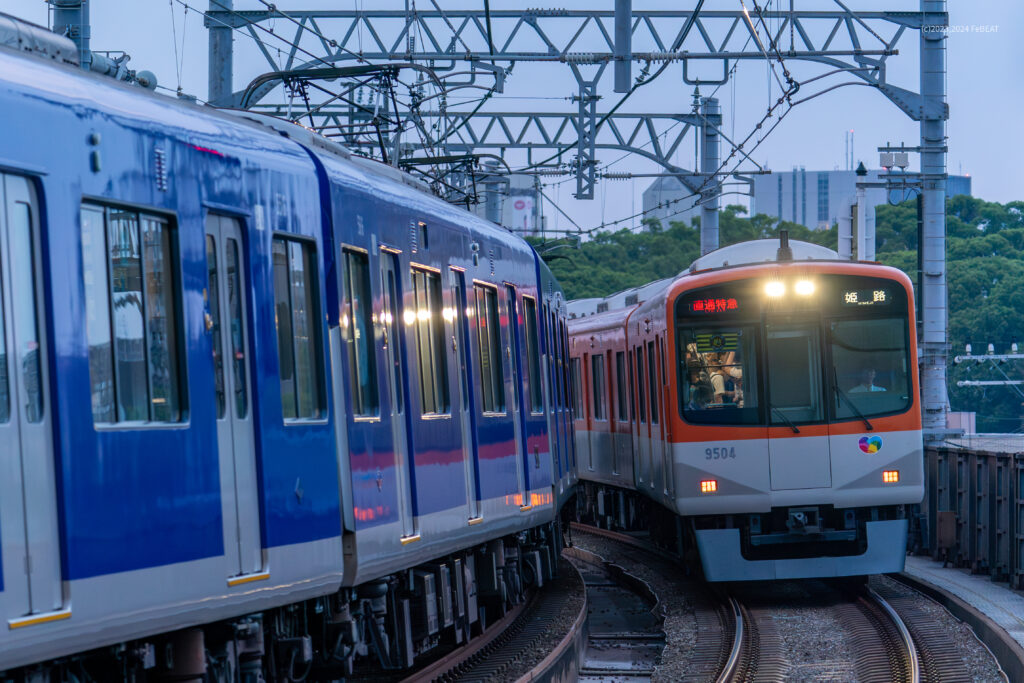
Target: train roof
{"x": 760, "y": 251}
{"x": 39, "y": 73}
{"x": 744, "y": 253}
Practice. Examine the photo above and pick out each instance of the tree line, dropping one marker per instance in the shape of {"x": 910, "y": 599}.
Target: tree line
{"x": 985, "y": 275}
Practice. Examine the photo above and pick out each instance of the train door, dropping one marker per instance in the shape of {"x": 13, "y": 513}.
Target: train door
{"x": 796, "y": 396}
{"x": 640, "y": 425}
{"x": 470, "y": 445}
{"x": 227, "y": 311}
{"x": 28, "y": 499}
{"x": 391, "y": 288}
{"x": 655, "y": 424}
{"x": 552, "y": 403}
{"x": 513, "y": 353}
{"x": 668, "y": 474}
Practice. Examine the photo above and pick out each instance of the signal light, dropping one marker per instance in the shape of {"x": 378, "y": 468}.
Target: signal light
{"x": 709, "y": 486}
{"x": 890, "y": 476}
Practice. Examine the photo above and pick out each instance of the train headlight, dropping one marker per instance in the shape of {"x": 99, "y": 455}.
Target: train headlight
{"x": 774, "y": 289}
{"x": 804, "y": 287}
{"x": 890, "y": 476}
{"x": 709, "y": 486}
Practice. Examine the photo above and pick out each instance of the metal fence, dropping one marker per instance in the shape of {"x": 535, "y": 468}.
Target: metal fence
{"x": 973, "y": 512}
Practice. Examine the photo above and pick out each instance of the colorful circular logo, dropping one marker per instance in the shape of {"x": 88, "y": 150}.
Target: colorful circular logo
{"x": 871, "y": 445}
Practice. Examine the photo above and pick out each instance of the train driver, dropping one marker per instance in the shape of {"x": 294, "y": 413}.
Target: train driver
{"x": 867, "y": 381}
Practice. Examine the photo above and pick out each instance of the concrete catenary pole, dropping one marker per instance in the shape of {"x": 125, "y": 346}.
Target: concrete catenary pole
{"x": 933, "y": 199}
{"x": 221, "y": 57}
{"x": 71, "y": 19}
{"x": 623, "y": 44}
{"x": 711, "y": 113}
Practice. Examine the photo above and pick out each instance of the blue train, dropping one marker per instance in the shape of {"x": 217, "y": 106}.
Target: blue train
{"x": 266, "y": 408}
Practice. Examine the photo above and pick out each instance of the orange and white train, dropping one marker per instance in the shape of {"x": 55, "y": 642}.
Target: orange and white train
{"x": 767, "y": 402}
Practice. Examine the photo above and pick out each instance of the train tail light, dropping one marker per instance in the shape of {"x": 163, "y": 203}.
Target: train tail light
{"x": 709, "y": 486}
{"x": 890, "y": 476}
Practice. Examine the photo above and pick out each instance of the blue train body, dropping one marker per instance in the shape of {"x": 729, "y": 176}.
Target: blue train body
{"x": 167, "y": 465}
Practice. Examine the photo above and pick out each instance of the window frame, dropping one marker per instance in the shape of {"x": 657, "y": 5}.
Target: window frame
{"x": 485, "y": 288}
{"x": 346, "y": 313}
{"x": 319, "y": 377}
{"x": 436, "y": 337}
{"x": 170, "y": 218}
{"x": 531, "y": 323}
{"x": 599, "y": 388}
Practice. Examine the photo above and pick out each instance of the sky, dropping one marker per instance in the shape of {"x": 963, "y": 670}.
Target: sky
{"x": 985, "y": 91}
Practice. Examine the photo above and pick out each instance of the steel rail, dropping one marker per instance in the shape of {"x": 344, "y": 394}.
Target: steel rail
{"x": 901, "y": 627}
{"x": 732, "y": 664}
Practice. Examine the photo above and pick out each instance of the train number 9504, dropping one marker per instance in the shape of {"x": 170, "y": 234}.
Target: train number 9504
{"x": 720, "y": 453}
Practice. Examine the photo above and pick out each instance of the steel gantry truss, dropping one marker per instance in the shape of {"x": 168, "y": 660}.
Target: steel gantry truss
{"x": 477, "y": 48}
{"x": 455, "y": 40}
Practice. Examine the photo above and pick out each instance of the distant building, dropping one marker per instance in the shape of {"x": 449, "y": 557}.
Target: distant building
{"x": 519, "y": 210}
{"x": 660, "y": 201}
{"x": 811, "y": 198}
{"x": 814, "y": 198}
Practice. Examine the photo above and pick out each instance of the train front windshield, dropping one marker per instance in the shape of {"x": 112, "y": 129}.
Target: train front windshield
{"x": 795, "y": 351}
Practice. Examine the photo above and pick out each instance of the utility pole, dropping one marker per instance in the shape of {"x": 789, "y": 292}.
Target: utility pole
{"x": 934, "y": 335}
{"x": 711, "y": 115}
{"x": 221, "y": 56}
{"x": 71, "y": 19}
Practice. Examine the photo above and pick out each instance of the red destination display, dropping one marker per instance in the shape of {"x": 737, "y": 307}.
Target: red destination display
{"x": 713, "y": 305}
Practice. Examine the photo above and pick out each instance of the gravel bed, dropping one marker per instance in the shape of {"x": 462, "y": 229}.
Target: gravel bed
{"x": 674, "y": 605}
{"x": 978, "y": 661}
{"x": 568, "y": 584}
{"x": 813, "y": 643}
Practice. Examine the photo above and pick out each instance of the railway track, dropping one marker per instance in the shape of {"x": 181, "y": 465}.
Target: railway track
{"x": 508, "y": 650}
{"x": 747, "y": 631}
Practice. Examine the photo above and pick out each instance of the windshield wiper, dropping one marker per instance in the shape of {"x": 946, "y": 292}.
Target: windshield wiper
{"x": 841, "y": 393}
{"x": 796, "y": 430}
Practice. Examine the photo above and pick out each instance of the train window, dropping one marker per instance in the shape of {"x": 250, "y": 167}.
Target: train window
{"x": 574, "y": 370}
{"x": 640, "y": 383}
{"x": 132, "y": 315}
{"x": 431, "y": 350}
{"x": 629, "y": 387}
{"x": 870, "y": 367}
{"x": 489, "y": 359}
{"x": 718, "y": 375}
{"x": 620, "y": 385}
{"x": 357, "y": 324}
{"x": 213, "y": 307}
{"x": 237, "y": 327}
{"x": 794, "y": 374}
{"x": 563, "y": 338}
{"x": 598, "y": 386}
{"x": 652, "y": 377}
{"x": 533, "y": 355}
{"x": 298, "y": 328}
{"x": 23, "y": 290}
{"x": 5, "y": 391}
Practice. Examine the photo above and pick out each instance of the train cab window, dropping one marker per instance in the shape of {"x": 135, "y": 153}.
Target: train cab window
{"x": 718, "y": 371}
{"x": 599, "y": 389}
{"x": 577, "y": 391}
{"x": 620, "y": 385}
{"x": 870, "y": 367}
{"x": 794, "y": 374}
{"x": 133, "y": 315}
{"x": 533, "y": 355}
{"x": 489, "y": 364}
{"x": 431, "y": 351}
{"x": 357, "y": 325}
{"x": 298, "y": 328}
